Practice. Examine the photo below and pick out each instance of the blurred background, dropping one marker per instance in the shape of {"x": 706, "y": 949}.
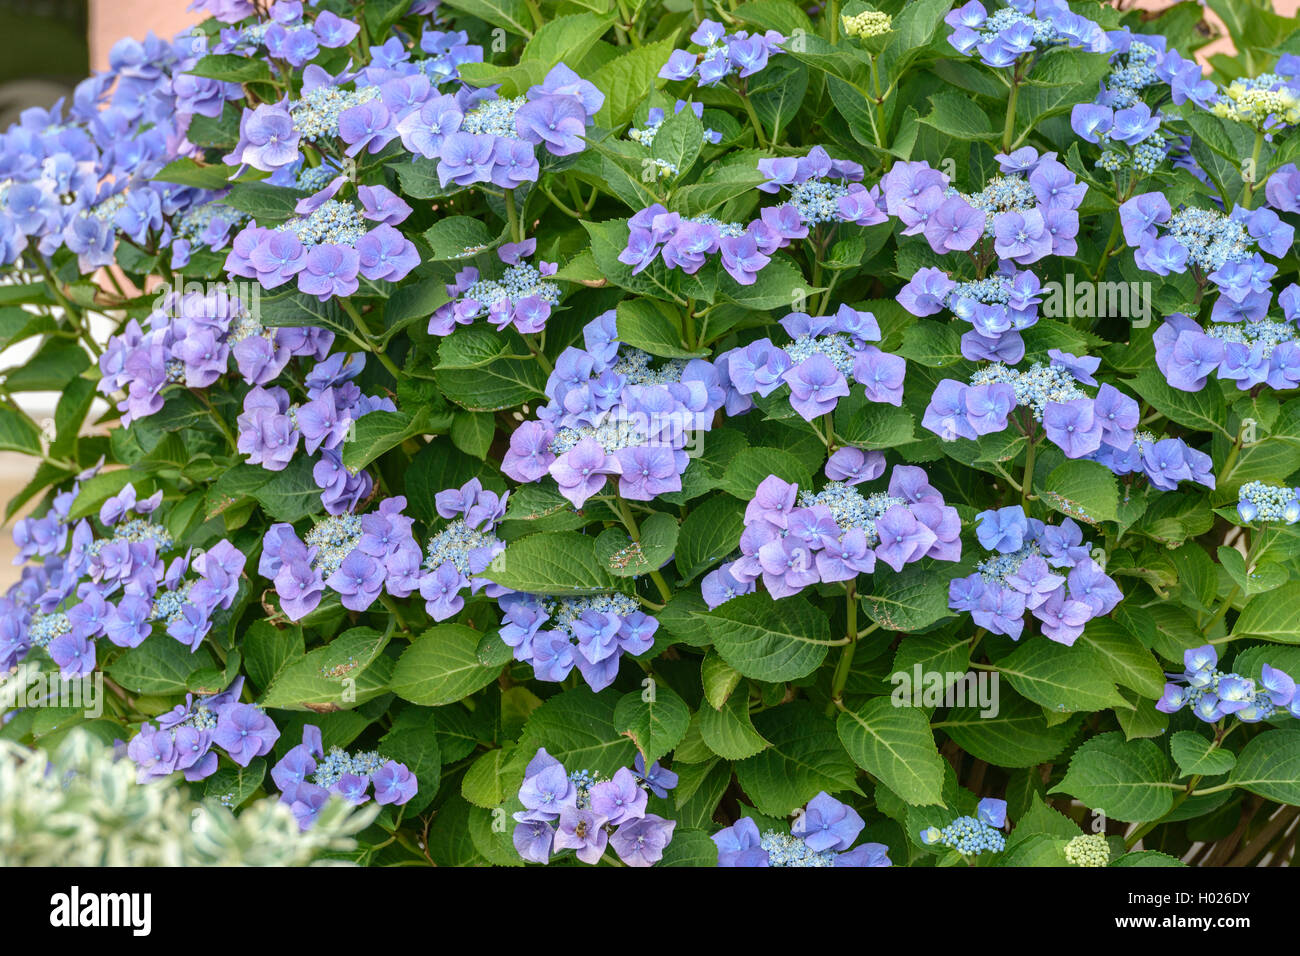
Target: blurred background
{"x": 47, "y": 46}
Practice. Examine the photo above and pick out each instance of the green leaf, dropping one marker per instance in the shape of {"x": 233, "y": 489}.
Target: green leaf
{"x": 777, "y": 93}
{"x": 1016, "y": 735}
{"x": 769, "y": 640}
{"x": 729, "y": 731}
{"x": 1198, "y": 756}
{"x": 512, "y": 15}
{"x": 654, "y": 327}
{"x": 493, "y": 387}
{"x": 910, "y": 34}
{"x": 896, "y": 745}
{"x": 54, "y": 365}
{"x": 1202, "y": 411}
{"x": 959, "y": 117}
{"x": 625, "y": 558}
{"x": 161, "y": 665}
{"x": 1126, "y": 780}
{"x": 1269, "y": 766}
{"x": 233, "y": 785}
{"x": 708, "y": 194}
{"x": 710, "y": 532}
{"x": 1123, "y": 657}
{"x": 908, "y": 601}
{"x": 269, "y": 205}
{"x": 869, "y": 425}
{"x": 577, "y": 728}
{"x": 232, "y": 68}
{"x": 1060, "y": 79}
{"x": 804, "y": 758}
{"x": 751, "y": 466}
{"x": 450, "y": 238}
{"x": 627, "y": 79}
{"x": 269, "y": 649}
{"x": 785, "y": 18}
{"x": 437, "y": 466}
{"x": 287, "y": 495}
{"x": 694, "y": 848}
{"x": 778, "y": 286}
{"x": 484, "y": 782}
{"x": 345, "y": 673}
{"x": 186, "y": 172}
{"x": 656, "y": 722}
{"x": 565, "y": 39}
{"x": 678, "y": 140}
{"x": 441, "y": 666}
{"x": 931, "y": 344}
{"x": 1083, "y": 490}
{"x": 17, "y": 433}
{"x": 1054, "y": 676}
{"x": 380, "y": 431}
{"x": 476, "y": 346}
{"x": 472, "y": 432}
{"x": 417, "y": 748}
{"x": 418, "y": 179}
{"x": 718, "y": 678}
{"x": 1148, "y": 858}
{"x": 1272, "y": 618}
{"x": 411, "y": 303}
{"x": 551, "y": 563}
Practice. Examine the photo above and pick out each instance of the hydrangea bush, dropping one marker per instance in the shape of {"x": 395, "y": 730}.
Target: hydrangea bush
{"x": 697, "y": 432}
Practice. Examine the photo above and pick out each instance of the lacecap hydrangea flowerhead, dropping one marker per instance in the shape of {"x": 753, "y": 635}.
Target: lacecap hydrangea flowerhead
{"x": 828, "y": 354}
{"x": 114, "y": 578}
{"x": 793, "y": 539}
{"x": 588, "y": 814}
{"x": 1212, "y": 694}
{"x": 973, "y": 835}
{"x": 308, "y": 776}
{"x": 1032, "y": 566}
{"x": 822, "y": 834}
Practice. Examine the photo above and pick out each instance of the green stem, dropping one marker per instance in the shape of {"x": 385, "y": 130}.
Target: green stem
{"x": 878, "y": 107}
{"x": 845, "y": 664}
{"x": 365, "y": 340}
{"x": 1231, "y": 461}
{"x": 558, "y": 204}
{"x": 535, "y": 347}
{"x": 202, "y": 396}
{"x": 1248, "y": 192}
{"x": 1027, "y": 478}
{"x": 753, "y": 119}
{"x": 1256, "y": 545}
{"x": 393, "y": 609}
{"x": 75, "y": 315}
{"x": 1115, "y": 231}
{"x": 826, "y": 296}
{"x": 1150, "y": 825}
{"x": 516, "y": 230}
{"x": 1009, "y": 126}
{"x": 536, "y": 12}
{"x": 629, "y": 522}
